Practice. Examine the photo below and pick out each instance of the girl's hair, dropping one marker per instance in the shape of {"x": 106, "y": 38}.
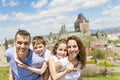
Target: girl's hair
{"x": 57, "y": 44}
{"x": 82, "y": 53}
{"x": 38, "y": 40}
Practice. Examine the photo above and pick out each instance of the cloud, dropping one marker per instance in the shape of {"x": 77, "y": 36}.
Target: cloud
{"x": 39, "y": 3}
{"x": 50, "y": 17}
{"x": 93, "y": 3}
{"x": 22, "y": 16}
{"x": 7, "y": 33}
{"x": 10, "y": 3}
{"x": 4, "y": 17}
{"x": 109, "y": 18}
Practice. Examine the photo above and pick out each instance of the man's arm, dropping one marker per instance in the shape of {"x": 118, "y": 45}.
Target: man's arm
{"x": 11, "y": 77}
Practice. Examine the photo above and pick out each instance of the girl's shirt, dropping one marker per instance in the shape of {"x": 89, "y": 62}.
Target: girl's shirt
{"x": 72, "y": 75}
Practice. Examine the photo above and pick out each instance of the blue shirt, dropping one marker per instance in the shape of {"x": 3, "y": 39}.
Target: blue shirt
{"x": 32, "y": 60}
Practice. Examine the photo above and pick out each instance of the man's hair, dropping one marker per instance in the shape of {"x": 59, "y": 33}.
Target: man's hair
{"x": 38, "y": 40}
{"x": 24, "y": 33}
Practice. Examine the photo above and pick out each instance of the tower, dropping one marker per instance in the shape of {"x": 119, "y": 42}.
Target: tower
{"x": 81, "y": 24}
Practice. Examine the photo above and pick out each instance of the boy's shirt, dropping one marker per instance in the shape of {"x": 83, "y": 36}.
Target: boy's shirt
{"x": 46, "y": 55}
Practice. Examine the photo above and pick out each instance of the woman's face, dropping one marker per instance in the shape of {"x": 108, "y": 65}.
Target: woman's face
{"x": 61, "y": 51}
{"x": 73, "y": 49}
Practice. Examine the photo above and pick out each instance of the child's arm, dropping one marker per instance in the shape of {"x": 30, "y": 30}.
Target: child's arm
{"x": 54, "y": 74}
{"x": 20, "y": 64}
{"x": 38, "y": 71}
{"x": 46, "y": 74}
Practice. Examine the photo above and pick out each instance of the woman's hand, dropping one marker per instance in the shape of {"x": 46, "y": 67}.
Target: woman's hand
{"x": 70, "y": 68}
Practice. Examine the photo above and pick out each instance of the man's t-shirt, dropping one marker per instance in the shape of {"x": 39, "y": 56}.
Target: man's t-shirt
{"x": 33, "y": 60}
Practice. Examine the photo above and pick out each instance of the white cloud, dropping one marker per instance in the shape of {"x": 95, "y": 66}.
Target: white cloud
{"x": 93, "y": 3}
{"x": 39, "y": 3}
{"x": 13, "y": 3}
{"x": 4, "y": 17}
{"x": 55, "y": 15}
{"x": 110, "y": 18}
{"x": 7, "y": 33}
{"x": 10, "y": 3}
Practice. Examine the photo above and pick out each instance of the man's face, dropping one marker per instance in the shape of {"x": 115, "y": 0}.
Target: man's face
{"x": 22, "y": 44}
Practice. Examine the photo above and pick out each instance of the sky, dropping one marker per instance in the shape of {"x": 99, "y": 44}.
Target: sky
{"x": 40, "y": 17}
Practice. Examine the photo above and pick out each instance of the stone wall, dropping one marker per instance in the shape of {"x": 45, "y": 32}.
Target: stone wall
{"x": 2, "y": 54}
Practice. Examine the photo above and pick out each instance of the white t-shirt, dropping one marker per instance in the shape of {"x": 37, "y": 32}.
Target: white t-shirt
{"x": 46, "y": 55}
{"x": 72, "y": 75}
{"x": 55, "y": 58}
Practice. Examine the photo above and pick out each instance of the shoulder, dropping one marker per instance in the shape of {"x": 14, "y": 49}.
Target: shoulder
{"x": 47, "y": 52}
{"x": 64, "y": 60}
{"x": 9, "y": 51}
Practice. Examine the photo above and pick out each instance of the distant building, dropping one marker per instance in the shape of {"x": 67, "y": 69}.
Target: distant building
{"x": 81, "y": 29}
{"x": 82, "y": 24}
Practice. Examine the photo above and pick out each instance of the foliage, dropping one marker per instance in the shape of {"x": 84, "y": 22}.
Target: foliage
{"x": 106, "y": 63}
{"x": 114, "y": 41}
{"x": 98, "y": 54}
{"x": 89, "y": 61}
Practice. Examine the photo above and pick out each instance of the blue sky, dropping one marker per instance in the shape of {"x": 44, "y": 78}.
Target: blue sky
{"x": 40, "y": 17}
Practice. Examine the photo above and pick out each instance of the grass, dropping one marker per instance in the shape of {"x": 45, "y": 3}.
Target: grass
{"x": 116, "y": 76}
{"x": 4, "y": 73}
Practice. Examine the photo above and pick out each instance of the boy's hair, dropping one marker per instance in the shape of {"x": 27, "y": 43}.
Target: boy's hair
{"x": 38, "y": 40}
{"x": 57, "y": 44}
{"x": 23, "y": 33}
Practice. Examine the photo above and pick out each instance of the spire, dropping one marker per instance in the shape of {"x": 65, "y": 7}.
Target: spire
{"x": 81, "y": 18}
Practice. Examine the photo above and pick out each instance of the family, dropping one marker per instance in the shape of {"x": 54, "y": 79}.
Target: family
{"x": 64, "y": 62}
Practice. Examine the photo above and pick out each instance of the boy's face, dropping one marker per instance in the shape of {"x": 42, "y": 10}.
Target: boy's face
{"x": 39, "y": 49}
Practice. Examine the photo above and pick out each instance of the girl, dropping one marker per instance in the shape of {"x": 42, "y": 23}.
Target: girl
{"x": 59, "y": 51}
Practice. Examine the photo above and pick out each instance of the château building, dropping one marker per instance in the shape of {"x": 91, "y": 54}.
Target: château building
{"x": 82, "y": 24}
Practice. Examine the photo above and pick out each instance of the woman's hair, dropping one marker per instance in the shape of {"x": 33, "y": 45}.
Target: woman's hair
{"x": 57, "y": 44}
{"x": 82, "y": 53}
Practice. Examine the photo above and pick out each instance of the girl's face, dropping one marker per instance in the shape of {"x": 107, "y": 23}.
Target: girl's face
{"x": 39, "y": 49}
{"x": 61, "y": 51}
{"x": 73, "y": 49}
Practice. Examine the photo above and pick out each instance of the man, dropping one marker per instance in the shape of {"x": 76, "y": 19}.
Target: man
{"x": 26, "y": 55}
